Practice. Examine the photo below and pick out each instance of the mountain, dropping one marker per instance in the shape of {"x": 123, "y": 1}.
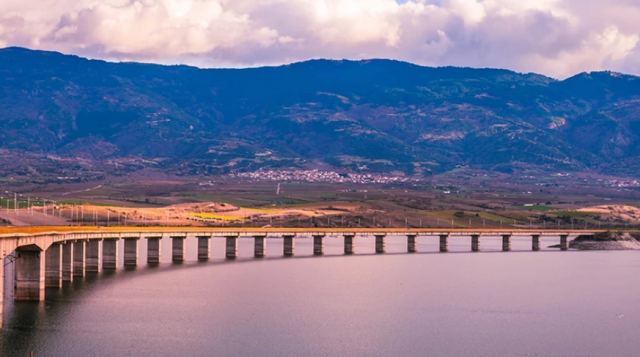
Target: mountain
{"x": 59, "y": 111}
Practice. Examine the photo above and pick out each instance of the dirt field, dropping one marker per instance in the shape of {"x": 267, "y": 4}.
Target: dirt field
{"x": 448, "y": 202}
{"x": 615, "y": 212}
{"x": 195, "y": 214}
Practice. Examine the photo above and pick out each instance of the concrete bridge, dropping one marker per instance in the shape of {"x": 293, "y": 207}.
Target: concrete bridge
{"x": 45, "y": 257}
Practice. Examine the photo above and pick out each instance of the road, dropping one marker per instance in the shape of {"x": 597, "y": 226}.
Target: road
{"x": 280, "y": 230}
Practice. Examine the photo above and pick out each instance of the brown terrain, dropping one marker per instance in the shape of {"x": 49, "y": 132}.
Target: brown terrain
{"x": 624, "y": 213}
{"x": 461, "y": 199}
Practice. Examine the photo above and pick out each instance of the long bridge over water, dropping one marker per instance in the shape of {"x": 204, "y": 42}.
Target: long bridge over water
{"x": 46, "y": 257}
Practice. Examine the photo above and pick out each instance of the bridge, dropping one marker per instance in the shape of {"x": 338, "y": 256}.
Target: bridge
{"x": 46, "y": 257}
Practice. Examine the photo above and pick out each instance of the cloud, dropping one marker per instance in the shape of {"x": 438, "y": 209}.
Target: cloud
{"x": 555, "y": 37}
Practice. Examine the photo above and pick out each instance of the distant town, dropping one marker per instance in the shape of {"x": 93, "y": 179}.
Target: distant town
{"x": 320, "y": 176}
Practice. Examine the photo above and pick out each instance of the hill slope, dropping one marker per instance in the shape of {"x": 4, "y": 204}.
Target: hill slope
{"x": 375, "y": 115}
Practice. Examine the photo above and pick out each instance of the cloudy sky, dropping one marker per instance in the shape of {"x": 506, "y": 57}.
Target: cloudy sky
{"x": 555, "y": 37}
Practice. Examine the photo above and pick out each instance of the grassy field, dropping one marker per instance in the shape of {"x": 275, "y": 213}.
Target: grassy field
{"x": 183, "y": 202}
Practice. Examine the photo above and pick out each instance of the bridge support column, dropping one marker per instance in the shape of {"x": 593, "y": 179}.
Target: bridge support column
{"x": 564, "y": 242}
{"x": 1, "y": 291}
{"x": 30, "y": 274}
{"x": 348, "y": 244}
{"x": 203, "y": 248}
{"x": 318, "y": 245}
{"x": 177, "y": 249}
{"x": 130, "y": 252}
{"x": 78, "y": 259}
{"x": 475, "y": 242}
{"x": 288, "y": 246}
{"x": 109, "y": 254}
{"x": 153, "y": 250}
{"x": 380, "y": 243}
{"x": 92, "y": 256}
{"x": 67, "y": 261}
{"x": 52, "y": 273}
{"x": 259, "y": 246}
{"x": 444, "y": 246}
{"x": 506, "y": 242}
{"x": 411, "y": 243}
{"x": 231, "y": 250}
{"x": 535, "y": 242}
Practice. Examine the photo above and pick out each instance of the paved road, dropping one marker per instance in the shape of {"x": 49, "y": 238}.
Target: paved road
{"x": 244, "y": 230}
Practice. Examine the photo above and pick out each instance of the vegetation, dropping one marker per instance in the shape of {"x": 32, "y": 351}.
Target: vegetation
{"x": 363, "y": 116}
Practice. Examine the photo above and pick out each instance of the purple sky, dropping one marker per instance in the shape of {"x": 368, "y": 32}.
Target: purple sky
{"x": 554, "y": 37}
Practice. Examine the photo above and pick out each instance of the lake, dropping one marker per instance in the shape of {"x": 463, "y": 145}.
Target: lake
{"x": 521, "y": 303}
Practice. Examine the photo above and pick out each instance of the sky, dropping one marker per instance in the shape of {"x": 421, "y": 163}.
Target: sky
{"x": 558, "y": 38}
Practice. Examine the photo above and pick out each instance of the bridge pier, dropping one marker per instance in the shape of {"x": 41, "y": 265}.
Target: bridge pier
{"x": 475, "y": 242}
{"x": 231, "y": 247}
{"x": 411, "y": 243}
{"x": 203, "y": 248}
{"x": 78, "y": 259}
{"x": 153, "y": 250}
{"x": 92, "y": 256}
{"x": 564, "y": 242}
{"x": 348, "y": 244}
{"x": 52, "y": 272}
{"x": 535, "y": 242}
{"x": 67, "y": 261}
{"x": 1, "y": 290}
{"x": 288, "y": 245}
{"x": 259, "y": 246}
{"x": 506, "y": 242}
{"x": 130, "y": 252}
{"x": 109, "y": 254}
{"x": 444, "y": 246}
{"x": 380, "y": 243}
{"x": 177, "y": 249}
{"x": 318, "y": 245}
{"x": 30, "y": 274}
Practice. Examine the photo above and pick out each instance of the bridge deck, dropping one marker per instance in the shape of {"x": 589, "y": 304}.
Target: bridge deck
{"x": 11, "y": 231}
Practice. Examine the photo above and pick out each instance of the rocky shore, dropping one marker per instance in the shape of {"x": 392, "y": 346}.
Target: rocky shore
{"x": 607, "y": 241}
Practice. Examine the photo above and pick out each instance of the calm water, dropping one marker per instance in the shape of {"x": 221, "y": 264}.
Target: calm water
{"x": 457, "y": 304}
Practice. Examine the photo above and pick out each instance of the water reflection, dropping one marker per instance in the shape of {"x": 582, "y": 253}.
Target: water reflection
{"x": 373, "y": 304}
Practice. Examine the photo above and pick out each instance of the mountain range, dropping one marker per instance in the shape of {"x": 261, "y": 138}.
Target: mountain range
{"x": 70, "y": 115}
